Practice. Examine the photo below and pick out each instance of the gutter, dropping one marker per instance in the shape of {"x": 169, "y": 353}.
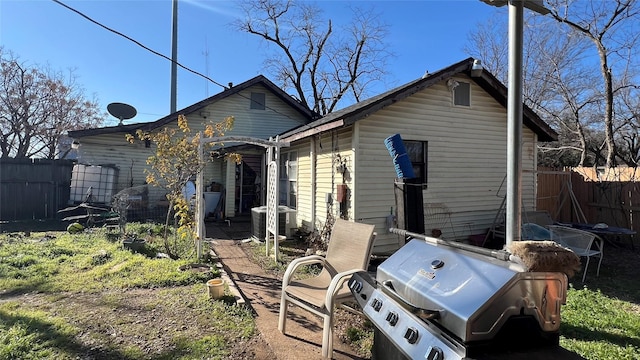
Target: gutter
{"x": 313, "y": 131}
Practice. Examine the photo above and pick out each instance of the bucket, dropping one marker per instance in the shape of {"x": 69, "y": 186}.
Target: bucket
{"x": 216, "y": 288}
{"x": 401, "y": 161}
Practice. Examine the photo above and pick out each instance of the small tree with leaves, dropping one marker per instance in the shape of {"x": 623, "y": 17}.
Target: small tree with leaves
{"x": 174, "y": 163}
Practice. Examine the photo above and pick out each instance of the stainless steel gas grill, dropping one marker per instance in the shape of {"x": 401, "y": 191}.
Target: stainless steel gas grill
{"x": 437, "y": 300}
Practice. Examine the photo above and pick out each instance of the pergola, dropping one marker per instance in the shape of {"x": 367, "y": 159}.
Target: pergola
{"x": 272, "y": 159}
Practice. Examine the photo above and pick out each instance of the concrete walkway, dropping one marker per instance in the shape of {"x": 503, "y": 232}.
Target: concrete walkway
{"x": 261, "y": 292}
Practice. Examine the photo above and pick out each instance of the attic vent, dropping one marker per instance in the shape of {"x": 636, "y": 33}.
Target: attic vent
{"x": 257, "y": 101}
{"x": 462, "y": 94}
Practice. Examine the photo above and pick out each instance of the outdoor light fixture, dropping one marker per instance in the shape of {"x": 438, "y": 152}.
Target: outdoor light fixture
{"x": 75, "y": 144}
{"x": 476, "y": 68}
{"x": 452, "y": 84}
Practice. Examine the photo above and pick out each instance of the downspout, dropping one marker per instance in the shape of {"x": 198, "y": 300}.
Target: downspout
{"x": 355, "y": 149}
{"x": 535, "y": 173}
{"x": 263, "y": 180}
{"x": 312, "y": 156}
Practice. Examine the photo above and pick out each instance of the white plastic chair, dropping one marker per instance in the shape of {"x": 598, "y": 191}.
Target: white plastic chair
{"x": 349, "y": 251}
{"x": 580, "y": 242}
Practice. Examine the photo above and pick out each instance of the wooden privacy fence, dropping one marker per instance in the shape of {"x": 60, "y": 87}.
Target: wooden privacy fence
{"x": 612, "y": 198}
{"x": 33, "y": 188}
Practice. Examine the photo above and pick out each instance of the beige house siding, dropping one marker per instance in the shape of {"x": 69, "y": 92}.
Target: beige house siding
{"x": 466, "y": 161}
{"x": 130, "y": 159}
{"x": 276, "y": 118}
{"x": 323, "y": 151}
{"x": 466, "y": 164}
{"x": 303, "y": 206}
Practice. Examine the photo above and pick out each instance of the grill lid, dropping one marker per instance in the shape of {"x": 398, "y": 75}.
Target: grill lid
{"x": 470, "y": 295}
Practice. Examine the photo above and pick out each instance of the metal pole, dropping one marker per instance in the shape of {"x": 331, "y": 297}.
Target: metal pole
{"x": 498, "y": 254}
{"x": 200, "y": 202}
{"x": 174, "y": 57}
{"x": 514, "y": 123}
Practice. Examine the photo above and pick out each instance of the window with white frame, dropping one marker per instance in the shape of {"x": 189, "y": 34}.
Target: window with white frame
{"x": 417, "y": 151}
{"x": 288, "y": 192}
{"x": 462, "y": 94}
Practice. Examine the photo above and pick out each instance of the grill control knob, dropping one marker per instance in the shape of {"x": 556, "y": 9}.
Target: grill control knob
{"x": 356, "y": 286}
{"x": 411, "y": 335}
{"x": 392, "y": 318}
{"x": 376, "y": 304}
{"x": 434, "y": 353}
{"x": 437, "y": 264}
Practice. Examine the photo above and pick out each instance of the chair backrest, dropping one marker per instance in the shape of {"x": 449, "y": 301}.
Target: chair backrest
{"x": 350, "y": 246}
{"x": 531, "y": 231}
{"x": 570, "y": 237}
{"x": 541, "y": 218}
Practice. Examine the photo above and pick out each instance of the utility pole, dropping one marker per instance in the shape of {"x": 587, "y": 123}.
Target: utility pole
{"x": 206, "y": 66}
{"x": 174, "y": 57}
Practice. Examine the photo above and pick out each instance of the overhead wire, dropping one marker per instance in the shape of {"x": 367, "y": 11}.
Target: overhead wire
{"x": 161, "y": 55}
{"x": 136, "y": 42}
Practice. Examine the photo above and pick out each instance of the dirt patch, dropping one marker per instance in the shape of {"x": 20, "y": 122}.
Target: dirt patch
{"x": 145, "y": 320}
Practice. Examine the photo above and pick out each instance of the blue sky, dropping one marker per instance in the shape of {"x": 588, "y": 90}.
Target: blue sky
{"x": 423, "y": 35}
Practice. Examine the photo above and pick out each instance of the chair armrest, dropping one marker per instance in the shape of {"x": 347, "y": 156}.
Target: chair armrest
{"x": 336, "y": 283}
{"x": 296, "y": 263}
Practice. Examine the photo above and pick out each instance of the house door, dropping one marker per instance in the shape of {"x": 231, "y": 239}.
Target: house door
{"x": 248, "y": 178}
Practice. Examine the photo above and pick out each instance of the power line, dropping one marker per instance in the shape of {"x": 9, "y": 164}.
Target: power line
{"x": 137, "y": 43}
{"x": 164, "y": 56}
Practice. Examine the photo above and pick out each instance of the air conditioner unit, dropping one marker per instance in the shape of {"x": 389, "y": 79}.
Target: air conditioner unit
{"x": 286, "y": 222}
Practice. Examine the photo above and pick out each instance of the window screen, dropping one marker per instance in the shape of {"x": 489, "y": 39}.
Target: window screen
{"x": 462, "y": 94}
{"x": 257, "y": 101}
{"x": 417, "y": 151}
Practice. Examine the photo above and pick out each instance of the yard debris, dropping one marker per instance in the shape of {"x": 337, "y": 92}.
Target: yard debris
{"x": 546, "y": 256}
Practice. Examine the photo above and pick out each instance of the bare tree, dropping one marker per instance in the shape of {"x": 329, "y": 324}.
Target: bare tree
{"x": 553, "y": 86}
{"x": 320, "y": 64}
{"x": 609, "y": 26}
{"x": 37, "y": 106}
{"x": 564, "y": 84}
{"x": 628, "y": 105}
